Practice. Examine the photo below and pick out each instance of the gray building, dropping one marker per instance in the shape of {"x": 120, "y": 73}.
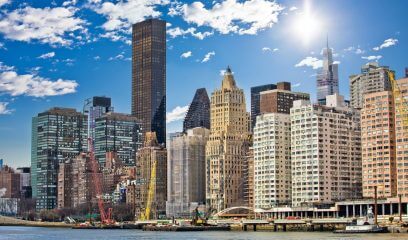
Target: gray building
{"x": 120, "y": 133}
{"x": 58, "y": 134}
{"x": 186, "y": 172}
{"x": 96, "y": 107}
{"x": 198, "y": 114}
{"x": 328, "y": 78}
{"x": 373, "y": 78}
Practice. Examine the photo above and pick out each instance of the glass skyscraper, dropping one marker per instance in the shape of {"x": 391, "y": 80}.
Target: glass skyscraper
{"x": 149, "y": 76}
{"x": 58, "y": 134}
{"x": 256, "y": 101}
{"x": 198, "y": 114}
{"x": 328, "y": 78}
{"x": 96, "y": 107}
{"x": 120, "y": 133}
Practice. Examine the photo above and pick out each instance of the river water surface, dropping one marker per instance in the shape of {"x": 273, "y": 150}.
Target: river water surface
{"x": 38, "y": 233}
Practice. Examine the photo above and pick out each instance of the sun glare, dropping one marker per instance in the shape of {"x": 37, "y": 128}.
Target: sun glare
{"x": 306, "y": 25}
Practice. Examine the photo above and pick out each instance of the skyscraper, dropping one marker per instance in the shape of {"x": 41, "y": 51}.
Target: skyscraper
{"x": 186, "y": 172}
{"x": 94, "y": 108}
{"x": 328, "y": 78}
{"x": 149, "y": 76}
{"x": 372, "y": 78}
{"x": 227, "y": 145}
{"x": 198, "y": 114}
{"x": 59, "y": 134}
{"x": 256, "y": 101}
{"x": 119, "y": 133}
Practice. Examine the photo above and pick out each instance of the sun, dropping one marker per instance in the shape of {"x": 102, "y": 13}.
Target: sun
{"x": 307, "y": 25}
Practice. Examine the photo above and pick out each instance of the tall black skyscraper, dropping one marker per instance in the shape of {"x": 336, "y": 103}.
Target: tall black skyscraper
{"x": 256, "y": 101}
{"x": 198, "y": 114}
{"x": 149, "y": 76}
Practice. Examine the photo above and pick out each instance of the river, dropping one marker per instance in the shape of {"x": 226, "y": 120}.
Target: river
{"x": 39, "y": 233}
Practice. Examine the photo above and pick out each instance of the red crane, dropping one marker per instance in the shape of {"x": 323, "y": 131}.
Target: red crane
{"x": 106, "y": 217}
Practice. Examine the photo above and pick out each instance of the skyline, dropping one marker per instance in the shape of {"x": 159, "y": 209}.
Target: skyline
{"x": 272, "y": 54}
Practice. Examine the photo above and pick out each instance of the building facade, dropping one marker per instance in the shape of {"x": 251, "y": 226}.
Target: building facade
{"x": 378, "y": 145}
{"x": 152, "y": 154}
{"x": 198, "y": 114}
{"x": 325, "y": 152}
{"x": 59, "y": 134}
{"x": 226, "y": 147}
{"x": 372, "y": 78}
{"x": 120, "y": 133}
{"x": 149, "y": 76}
{"x": 256, "y": 100}
{"x": 249, "y": 184}
{"x": 95, "y": 108}
{"x": 328, "y": 77}
{"x": 280, "y": 100}
{"x": 272, "y": 161}
{"x": 186, "y": 172}
{"x": 9, "y": 183}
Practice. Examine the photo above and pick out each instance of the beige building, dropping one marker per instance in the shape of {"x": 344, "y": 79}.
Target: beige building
{"x": 326, "y": 152}
{"x": 227, "y": 146}
{"x": 272, "y": 166}
{"x": 249, "y": 172}
{"x": 186, "y": 172}
{"x": 145, "y": 158}
{"x": 373, "y": 78}
{"x": 378, "y": 145}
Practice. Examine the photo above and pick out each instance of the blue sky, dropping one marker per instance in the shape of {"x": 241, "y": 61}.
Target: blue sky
{"x": 58, "y": 53}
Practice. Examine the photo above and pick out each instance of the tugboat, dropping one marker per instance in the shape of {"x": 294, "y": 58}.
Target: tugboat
{"x": 368, "y": 224}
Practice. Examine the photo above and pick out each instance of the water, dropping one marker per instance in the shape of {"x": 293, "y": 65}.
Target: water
{"x": 37, "y": 233}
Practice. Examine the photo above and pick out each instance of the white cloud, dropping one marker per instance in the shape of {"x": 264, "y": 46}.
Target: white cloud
{"x": 336, "y": 62}
{"x": 310, "y": 62}
{"x": 4, "y": 110}
{"x": 55, "y": 26}
{"x": 32, "y": 85}
{"x": 208, "y": 56}
{"x": 293, "y": 9}
{"x": 230, "y": 16}
{"x": 296, "y": 85}
{"x": 186, "y": 54}
{"x": 176, "y": 114}
{"x": 372, "y": 58}
{"x": 359, "y": 51}
{"x": 387, "y": 43}
{"x": 122, "y": 14}
{"x": 47, "y": 55}
{"x": 175, "y": 32}
{"x": 96, "y": 58}
{"x": 69, "y": 3}
{"x": 4, "y": 2}
{"x": 268, "y": 49}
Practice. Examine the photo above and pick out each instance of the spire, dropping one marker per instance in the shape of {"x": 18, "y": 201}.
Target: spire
{"x": 228, "y": 82}
{"x": 228, "y": 69}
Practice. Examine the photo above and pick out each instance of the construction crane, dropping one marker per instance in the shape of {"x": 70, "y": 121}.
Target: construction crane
{"x": 151, "y": 191}
{"x": 106, "y": 217}
{"x": 400, "y": 102}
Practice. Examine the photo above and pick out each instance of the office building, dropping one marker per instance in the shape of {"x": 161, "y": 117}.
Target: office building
{"x": 149, "y": 76}
{"x": 328, "y": 77}
{"x": 95, "y": 108}
{"x": 59, "y": 134}
{"x": 325, "y": 152}
{"x": 151, "y": 156}
{"x": 9, "y": 183}
{"x": 256, "y": 100}
{"x": 120, "y": 133}
{"x": 25, "y": 181}
{"x": 280, "y": 100}
{"x": 227, "y": 145}
{"x": 186, "y": 172}
{"x": 249, "y": 171}
{"x": 372, "y": 78}
{"x": 272, "y": 165}
{"x": 198, "y": 114}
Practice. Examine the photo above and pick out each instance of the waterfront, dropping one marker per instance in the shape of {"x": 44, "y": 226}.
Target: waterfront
{"x": 34, "y": 233}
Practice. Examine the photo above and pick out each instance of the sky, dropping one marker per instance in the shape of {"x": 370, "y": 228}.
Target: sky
{"x": 59, "y": 53}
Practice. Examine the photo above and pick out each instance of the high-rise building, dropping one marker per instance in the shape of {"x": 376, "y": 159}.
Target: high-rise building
{"x": 406, "y": 72}
{"x": 198, "y": 114}
{"x": 226, "y": 147}
{"x": 280, "y": 100}
{"x": 149, "y": 76}
{"x": 94, "y": 108}
{"x": 272, "y": 160}
{"x": 401, "y": 140}
{"x": 9, "y": 183}
{"x": 186, "y": 172}
{"x": 249, "y": 171}
{"x": 152, "y": 154}
{"x": 328, "y": 78}
{"x": 325, "y": 152}
{"x": 256, "y": 100}
{"x": 59, "y": 134}
{"x": 120, "y": 133}
{"x": 378, "y": 145}
{"x": 372, "y": 78}
{"x": 25, "y": 181}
